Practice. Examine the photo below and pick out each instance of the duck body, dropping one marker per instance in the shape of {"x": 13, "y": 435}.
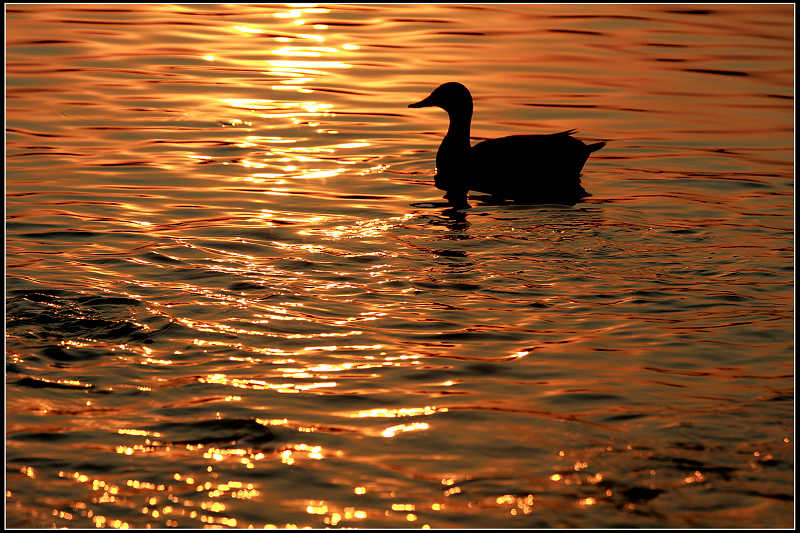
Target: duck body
{"x": 528, "y": 168}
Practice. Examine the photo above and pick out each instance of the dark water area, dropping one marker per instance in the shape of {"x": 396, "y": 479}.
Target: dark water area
{"x": 234, "y": 297}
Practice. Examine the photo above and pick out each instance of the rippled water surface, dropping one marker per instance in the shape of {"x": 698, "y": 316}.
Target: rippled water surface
{"x": 235, "y": 298}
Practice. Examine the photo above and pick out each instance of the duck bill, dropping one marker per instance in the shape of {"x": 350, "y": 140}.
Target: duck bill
{"x": 423, "y": 103}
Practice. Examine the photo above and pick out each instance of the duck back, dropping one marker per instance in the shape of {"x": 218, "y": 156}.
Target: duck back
{"x": 545, "y": 168}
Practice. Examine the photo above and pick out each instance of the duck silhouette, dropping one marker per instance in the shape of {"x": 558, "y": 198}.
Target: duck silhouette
{"x": 522, "y": 168}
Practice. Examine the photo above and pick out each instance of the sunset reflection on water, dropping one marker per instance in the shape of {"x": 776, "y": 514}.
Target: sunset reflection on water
{"x": 236, "y": 299}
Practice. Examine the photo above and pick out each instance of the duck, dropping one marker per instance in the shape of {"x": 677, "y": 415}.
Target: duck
{"x": 520, "y": 168}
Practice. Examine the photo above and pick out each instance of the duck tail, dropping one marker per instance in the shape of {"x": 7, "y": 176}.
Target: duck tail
{"x": 595, "y": 147}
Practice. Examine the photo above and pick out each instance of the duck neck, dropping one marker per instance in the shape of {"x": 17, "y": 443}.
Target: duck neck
{"x": 457, "y": 137}
{"x": 454, "y": 148}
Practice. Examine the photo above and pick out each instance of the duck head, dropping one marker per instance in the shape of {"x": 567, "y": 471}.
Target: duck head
{"x": 452, "y": 96}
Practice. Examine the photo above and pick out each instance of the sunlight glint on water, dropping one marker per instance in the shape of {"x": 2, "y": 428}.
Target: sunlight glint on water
{"x": 235, "y": 298}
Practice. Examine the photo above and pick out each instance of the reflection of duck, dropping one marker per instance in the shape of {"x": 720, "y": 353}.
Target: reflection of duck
{"x": 531, "y": 168}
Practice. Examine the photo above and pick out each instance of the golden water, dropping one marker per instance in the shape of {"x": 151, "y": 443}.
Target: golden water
{"x": 235, "y": 298}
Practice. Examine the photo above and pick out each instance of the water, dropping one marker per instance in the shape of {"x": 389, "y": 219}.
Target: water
{"x": 234, "y": 297}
